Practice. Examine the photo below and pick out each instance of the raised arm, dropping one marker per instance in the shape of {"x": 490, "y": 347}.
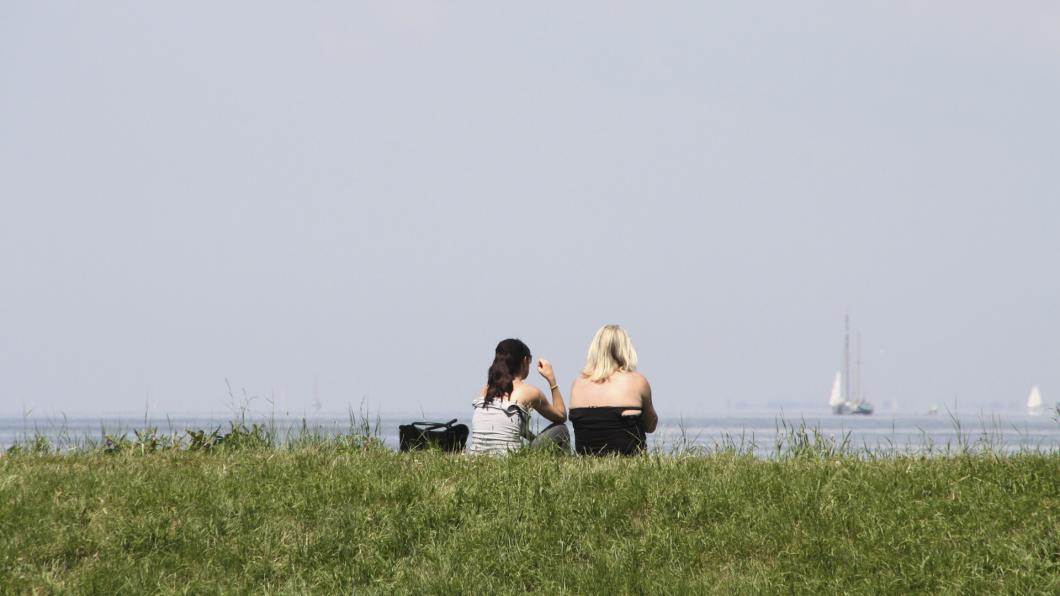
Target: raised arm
{"x": 554, "y": 411}
{"x": 648, "y": 418}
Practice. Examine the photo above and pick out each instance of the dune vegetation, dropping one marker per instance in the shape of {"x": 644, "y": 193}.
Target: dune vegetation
{"x": 239, "y": 512}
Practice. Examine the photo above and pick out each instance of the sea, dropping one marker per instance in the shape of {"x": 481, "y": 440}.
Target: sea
{"x": 764, "y": 433}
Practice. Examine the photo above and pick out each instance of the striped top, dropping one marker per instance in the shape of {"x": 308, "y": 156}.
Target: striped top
{"x": 498, "y": 427}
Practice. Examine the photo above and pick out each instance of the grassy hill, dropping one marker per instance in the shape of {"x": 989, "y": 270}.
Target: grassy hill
{"x": 338, "y": 515}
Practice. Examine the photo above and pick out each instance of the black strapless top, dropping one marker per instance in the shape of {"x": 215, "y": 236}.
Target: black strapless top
{"x": 605, "y": 431}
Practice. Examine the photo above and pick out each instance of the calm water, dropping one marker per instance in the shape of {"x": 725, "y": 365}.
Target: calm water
{"x": 912, "y": 433}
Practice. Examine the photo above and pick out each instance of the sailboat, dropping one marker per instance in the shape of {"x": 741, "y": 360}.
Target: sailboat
{"x": 836, "y": 401}
{"x": 1034, "y": 402}
{"x": 841, "y": 401}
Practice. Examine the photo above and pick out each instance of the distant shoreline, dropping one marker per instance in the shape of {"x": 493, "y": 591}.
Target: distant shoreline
{"x": 763, "y": 436}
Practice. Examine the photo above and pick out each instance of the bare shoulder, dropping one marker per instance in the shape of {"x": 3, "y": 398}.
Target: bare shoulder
{"x": 639, "y": 381}
{"x": 632, "y": 377}
{"x": 526, "y": 393}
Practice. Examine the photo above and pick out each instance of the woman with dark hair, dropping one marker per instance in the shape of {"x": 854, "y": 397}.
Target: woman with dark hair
{"x": 502, "y": 411}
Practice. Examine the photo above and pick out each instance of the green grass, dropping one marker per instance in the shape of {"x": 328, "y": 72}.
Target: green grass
{"x": 342, "y": 514}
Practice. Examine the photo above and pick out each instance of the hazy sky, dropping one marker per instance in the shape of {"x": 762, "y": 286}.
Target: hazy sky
{"x": 350, "y": 200}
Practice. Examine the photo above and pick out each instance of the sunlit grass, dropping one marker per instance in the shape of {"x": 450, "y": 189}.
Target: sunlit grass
{"x": 242, "y": 510}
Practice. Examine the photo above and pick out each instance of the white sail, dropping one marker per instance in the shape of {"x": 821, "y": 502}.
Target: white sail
{"x": 1034, "y": 400}
{"x": 837, "y": 391}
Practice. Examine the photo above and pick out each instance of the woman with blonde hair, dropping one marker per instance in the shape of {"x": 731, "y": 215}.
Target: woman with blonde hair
{"x": 610, "y": 403}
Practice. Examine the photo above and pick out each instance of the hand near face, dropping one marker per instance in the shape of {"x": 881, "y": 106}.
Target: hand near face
{"x": 544, "y": 368}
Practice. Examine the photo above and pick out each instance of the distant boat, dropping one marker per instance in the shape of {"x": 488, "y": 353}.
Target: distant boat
{"x": 1034, "y": 402}
{"x": 840, "y": 400}
{"x": 836, "y": 400}
{"x": 933, "y": 410}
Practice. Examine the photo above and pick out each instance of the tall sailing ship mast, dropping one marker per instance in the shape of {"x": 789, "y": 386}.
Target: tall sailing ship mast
{"x": 847, "y": 397}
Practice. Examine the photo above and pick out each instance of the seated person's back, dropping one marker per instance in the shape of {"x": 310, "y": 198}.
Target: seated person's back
{"x": 611, "y": 407}
{"x": 502, "y": 410}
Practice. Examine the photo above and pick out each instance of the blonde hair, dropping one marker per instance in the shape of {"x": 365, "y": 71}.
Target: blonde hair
{"x": 611, "y": 351}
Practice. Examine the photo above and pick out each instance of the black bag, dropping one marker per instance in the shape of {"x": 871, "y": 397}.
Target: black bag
{"x": 447, "y": 436}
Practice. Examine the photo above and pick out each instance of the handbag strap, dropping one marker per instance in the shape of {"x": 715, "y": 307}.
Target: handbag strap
{"x": 435, "y": 425}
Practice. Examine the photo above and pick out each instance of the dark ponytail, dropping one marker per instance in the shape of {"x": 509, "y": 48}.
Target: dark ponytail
{"x": 507, "y": 362}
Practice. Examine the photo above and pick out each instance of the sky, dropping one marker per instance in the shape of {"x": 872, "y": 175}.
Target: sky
{"x": 314, "y": 206}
